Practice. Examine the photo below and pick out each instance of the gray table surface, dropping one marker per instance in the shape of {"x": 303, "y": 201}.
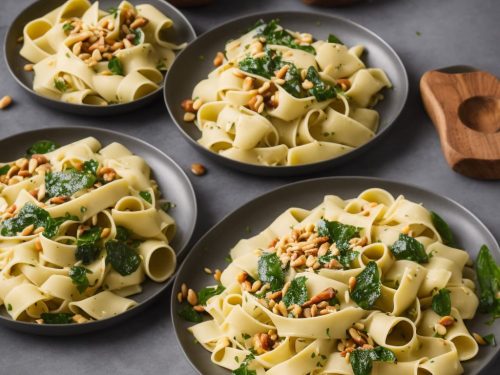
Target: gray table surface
{"x": 426, "y": 34}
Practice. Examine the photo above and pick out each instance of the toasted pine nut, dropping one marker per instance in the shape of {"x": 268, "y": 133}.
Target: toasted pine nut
{"x": 198, "y": 169}
{"x": 12, "y": 171}
{"x": 248, "y": 83}
{"x": 96, "y": 55}
{"x": 405, "y": 229}
{"x": 192, "y": 298}
{"x": 447, "y": 320}
{"x": 242, "y": 276}
{"x": 138, "y": 22}
{"x": 217, "y": 274}
{"x": 5, "y": 102}
{"x": 239, "y": 74}
{"x": 38, "y": 245}
{"x": 32, "y": 164}
{"x": 265, "y": 86}
{"x": 307, "y": 85}
{"x": 39, "y": 230}
{"x": 187, "y": 105}
{"x": 207, "y": 270}
{"x": 179, "y": 297}
{"x": 219, "y": 59}
{"x": 28, "y": 230}
{"x": 184, "y": 290}
{"x": 105, "y": 232}
{"x": 28, "y": 67}
{"x": 281, "y": 73}
{"x": 479, "y": 339}
{"x": 198, "y": 308}
{"x": 352, "y": 283}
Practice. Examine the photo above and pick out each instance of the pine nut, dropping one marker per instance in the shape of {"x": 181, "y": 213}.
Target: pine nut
{"x": 352, "y": 283}
{"x": 138, "y": 22}
{"x": 219, "y": 59}
{"x": 96, "y": 55}
{"x": 192, "y": 298}
{"x": 198, "y": 169}
{"x": 256, "y": 286}
{"x": 105, "y": 232}
{"x": 197, "y": 104}
{"x": 38, "y": 245}
{"x": 248, "y": 83}
{"x": 479, "y": 339}
{"x": 242, "y": 276}
{"x": 261, "y": 108}
{"x": 12, "y": 171}
{"x": 440, "y": 329}
{"x": 199, "y": 308}
{"x": 217, "y": 274}
{"x": 39, "y": 230}
{"x": 265, "y": 86}
{"x": 307, "y": 85}
{"x": 207, "y": 270}
{"x": 405, "y": 229}
{"x": 189, "y": 117}
{"x": 28, "y": 67}
{"x": 239, "y": 74}
{"x": 5, "y": 102}
{"x": 184, "y": 290}
{"x": 41, "y": 192}
{"x": 281, "y": 73}
{"x": 28, "y": 230}
{"x": 447, "y": 321}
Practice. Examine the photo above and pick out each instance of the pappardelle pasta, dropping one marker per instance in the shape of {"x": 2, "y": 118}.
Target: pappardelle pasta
{"x": 82, "y": 226}
{"x": 85, "y": 55}
{"x": 366, "y": 285}
{"x": 279, "y": 97}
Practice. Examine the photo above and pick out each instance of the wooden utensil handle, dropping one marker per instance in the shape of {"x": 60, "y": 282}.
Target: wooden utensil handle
{"x": 465, "y": 109}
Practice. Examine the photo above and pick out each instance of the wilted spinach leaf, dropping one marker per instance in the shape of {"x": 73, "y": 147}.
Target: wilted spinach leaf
{"x": 321, "y": 91}
{"x": 243, "y": 369}
{"x": 78, "y": 275}
{"x": 409, "y": 248}
{"x": 32, "y": 214}
{"x": 4, "y": 169}
{"x": 296, "y": 293}
{"x": 270, "y": 271}
{"x": 91, "y": 166}
{"x": 339, "y": 233}
{"x": 189, "y": 314}
{"x": 488, "y": 277}
{"x": 206, "y": 293}
{"x": 115, "y": 66}
{"x": 67, "y": 183}
{"x": 441, "y": 302}
{"x": 333, "y": 39}
{"x": 368, "y": 287}
{"x": 42, "y": 147}
{"x": 57, "y": 318}
{"x": 146, "y": 195}
{"x": 443, "y": 229}
{"x": 362, "y": 359}
{"x": 281, "y": 37}
{"x": 88, "y": 248}
{"x": 122, "y": 258}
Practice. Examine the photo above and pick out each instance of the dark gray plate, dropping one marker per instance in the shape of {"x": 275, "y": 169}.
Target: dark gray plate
{"x": 182, "y": 31}
{"x": 211, "y": 250}
{"x": 173, "y": 183}
{"x": 195, "y": 62}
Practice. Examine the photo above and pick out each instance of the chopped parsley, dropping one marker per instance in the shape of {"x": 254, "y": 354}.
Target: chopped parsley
{"x": 243, "y": 369}
{"x": 60, "y": 84}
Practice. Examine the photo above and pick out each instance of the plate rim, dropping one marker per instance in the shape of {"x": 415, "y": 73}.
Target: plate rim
{"x": 257, "y": 169}
{"x": 72, "y": 107}
{"x": 181, "y": 254}
{"x": 371, "y": 179}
